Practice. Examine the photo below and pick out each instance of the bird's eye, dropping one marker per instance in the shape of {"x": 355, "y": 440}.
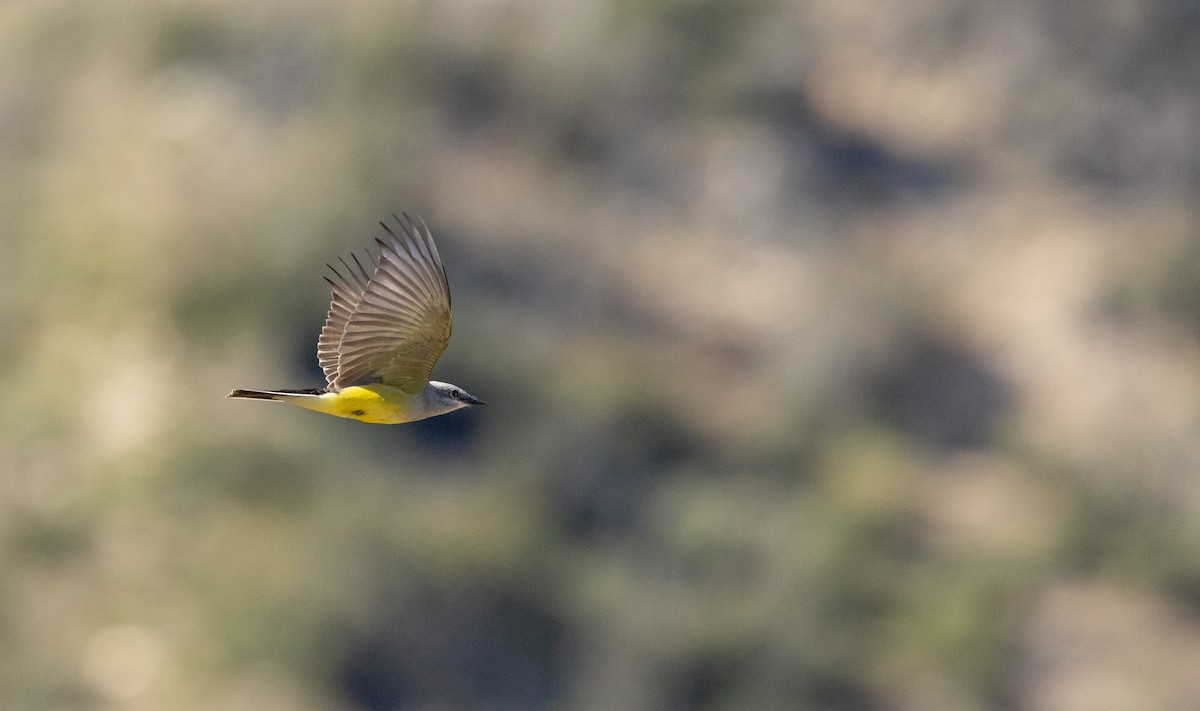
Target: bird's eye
{"x": 456, "y": 393}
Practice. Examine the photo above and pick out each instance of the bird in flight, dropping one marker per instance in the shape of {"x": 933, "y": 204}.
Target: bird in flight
{"x": 382, "y": 336}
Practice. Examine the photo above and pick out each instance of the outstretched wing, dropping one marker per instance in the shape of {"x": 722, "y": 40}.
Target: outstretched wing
{"x": 401, "y": 322}
{"x": 347, "y": 290}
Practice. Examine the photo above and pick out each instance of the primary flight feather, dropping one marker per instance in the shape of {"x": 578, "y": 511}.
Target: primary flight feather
{"x": 384, "y": 332}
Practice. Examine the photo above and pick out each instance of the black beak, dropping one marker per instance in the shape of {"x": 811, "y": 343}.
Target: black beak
{"x": 472, "y": 400}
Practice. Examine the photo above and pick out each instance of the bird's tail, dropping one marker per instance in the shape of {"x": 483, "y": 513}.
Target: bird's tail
{"x": 271, "y": 394}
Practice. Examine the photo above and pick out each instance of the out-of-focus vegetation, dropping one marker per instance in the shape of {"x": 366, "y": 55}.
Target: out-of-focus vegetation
{"x": 840, "y": 355}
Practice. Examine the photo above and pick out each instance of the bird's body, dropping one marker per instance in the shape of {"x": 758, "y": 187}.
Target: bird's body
{"x": 382, "y": 336}
{"x": 376, "y": 403}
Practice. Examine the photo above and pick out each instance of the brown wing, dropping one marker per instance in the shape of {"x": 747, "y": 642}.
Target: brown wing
{"x": 347, "y": 290}
{"x": 401, "y": 322}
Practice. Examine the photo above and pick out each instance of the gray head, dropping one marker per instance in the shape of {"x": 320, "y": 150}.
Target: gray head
{"x": 444, "y": 397}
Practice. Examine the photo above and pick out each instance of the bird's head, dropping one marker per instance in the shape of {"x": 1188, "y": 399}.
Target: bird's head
{"x": 449, "y": 397}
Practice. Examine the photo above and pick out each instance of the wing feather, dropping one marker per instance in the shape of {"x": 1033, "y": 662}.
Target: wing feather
{"x": 347, "y": 289}
{"x": 401, "y": 321}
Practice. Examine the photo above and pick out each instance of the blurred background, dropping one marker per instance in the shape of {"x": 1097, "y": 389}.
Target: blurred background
{"x": 839, "y": 355}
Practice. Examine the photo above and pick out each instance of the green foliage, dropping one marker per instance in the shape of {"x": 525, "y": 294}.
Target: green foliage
{"x": 838, "y": 356}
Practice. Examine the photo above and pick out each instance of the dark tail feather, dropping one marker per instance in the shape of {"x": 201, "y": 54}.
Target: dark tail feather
{"x": 270, "y": 394}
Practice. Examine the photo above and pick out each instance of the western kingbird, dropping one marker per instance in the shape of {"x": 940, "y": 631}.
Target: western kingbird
{"x": 382, "y": 336}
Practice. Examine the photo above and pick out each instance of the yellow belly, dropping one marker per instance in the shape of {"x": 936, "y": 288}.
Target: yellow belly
{"x": 380, "y": 404}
